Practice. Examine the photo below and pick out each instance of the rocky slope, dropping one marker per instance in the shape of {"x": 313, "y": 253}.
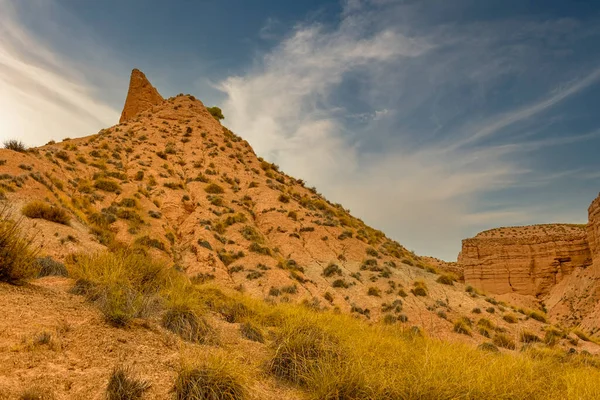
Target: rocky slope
{"x": 174, "y": 182}
{"x": 593, "y": 228}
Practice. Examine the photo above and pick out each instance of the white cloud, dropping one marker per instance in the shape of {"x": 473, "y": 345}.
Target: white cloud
{"x": 423, "y": 192}
{"x": 41, "y": 96}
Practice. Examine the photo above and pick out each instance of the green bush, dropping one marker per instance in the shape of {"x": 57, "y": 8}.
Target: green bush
{"x": 216, "y": 113}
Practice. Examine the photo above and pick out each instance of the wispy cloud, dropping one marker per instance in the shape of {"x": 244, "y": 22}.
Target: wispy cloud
{"x": 409, "y": 159}
{"x": 42, "y": 96}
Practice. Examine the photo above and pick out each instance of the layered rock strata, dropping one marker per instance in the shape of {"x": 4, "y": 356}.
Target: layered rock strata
{"x": 527, "y": 260}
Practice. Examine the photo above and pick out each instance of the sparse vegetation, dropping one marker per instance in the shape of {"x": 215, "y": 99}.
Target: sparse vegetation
{"x": 123, "y": 386}
{"x": 503, "y": 340}
{"x": 446, "y": 279}
{"x": 185, "y": 322}
{"x": 463, "y": 325}
{"x": 214, "y": 379}
{"x": 107, "y": 185}
{"x": 16, "y": 253}
{"x": 419, "y": 288}
{"x": 42, "y": 210}
{"x": 47, "y": 266}
{"x": 15, "y": 145}
{"x": 213, "y": 188}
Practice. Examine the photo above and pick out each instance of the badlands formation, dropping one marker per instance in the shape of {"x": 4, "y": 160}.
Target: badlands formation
{"x": 558, "y": 264}
{"x": 264, "y": 274}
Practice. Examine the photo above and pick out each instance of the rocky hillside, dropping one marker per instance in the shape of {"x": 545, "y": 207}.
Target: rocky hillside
{"x": 164, "y": 248}
{"x": 170, "y": 180}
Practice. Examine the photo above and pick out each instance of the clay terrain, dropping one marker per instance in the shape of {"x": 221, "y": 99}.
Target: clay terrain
{"x": 556, "y": 265}
{"x": 174, "y": 183}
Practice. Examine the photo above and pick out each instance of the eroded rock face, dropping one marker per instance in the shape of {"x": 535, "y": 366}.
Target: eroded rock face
{"x": 593, "y": 228}
{"x": 527, "y": 260}
{"x": 140, "y": 97}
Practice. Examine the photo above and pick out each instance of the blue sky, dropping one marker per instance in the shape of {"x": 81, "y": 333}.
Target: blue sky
{"x": 431, "y": 120}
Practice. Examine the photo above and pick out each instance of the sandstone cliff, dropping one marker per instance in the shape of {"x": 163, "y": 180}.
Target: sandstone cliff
{"x": 527, "y": 260}
{"x": 141, "y": 96}
{"x": 593, "y": 228}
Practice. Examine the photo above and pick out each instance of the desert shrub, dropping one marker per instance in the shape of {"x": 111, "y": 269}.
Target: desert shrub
{"x": 373, "y": 291}
{"x": 122, "y": 284}
{"x": 251, "y": 234}
{"x": 503, "y": 340}
{"x": 63, "y": 155}
{"x": 216, "y": 112}
{"x": 581, "y": 335}
{"x": 15, "y": 145}
{"x": 476, "y": 310}
{"x": 36, "y": 393}
{"x": 283, "y": 198}
{"x": 252, "y": 332}
{"x": 489, "y": 347}
{"x": 273, "y": 291}
{"x": 254, "y": 275}
{"x": 511, "y": 319}
{"x": 16, "y": 253}
{"x": 185, "y": 322}
{"x": 553, "y": 335}
{"x": 302, "y": 350}
{"x": 463, "y": 325}
{"x": 257, "y": 248}
{"x": 446, "y": 279}
{"x": 107, "y": 185}
{"x": 529, "y": 337}
{"x": 123, "y": 386}
{"x": 214, "y": 379}
{"x": 340, "y": 283}
{"x": 419, "y": 288}
{"x": 213, "y": 188}
{"x": 332, "y": 269}
{"x": 150, "y": 242}
{"x": 228, "y": 257}
{"x": 39, "y": 209}
{"x": 538, "y": 316}
{"x": 291, "y": 289}
{"x": 128, "y": 202}
{"x": 47, "y": 266}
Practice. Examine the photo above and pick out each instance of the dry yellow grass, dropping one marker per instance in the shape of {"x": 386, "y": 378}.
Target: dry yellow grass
{"x": 335, "y": 356}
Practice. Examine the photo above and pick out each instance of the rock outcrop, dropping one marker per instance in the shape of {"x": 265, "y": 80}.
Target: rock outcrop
{"x": 527, "y": 260}
{"x": 140, "y": 97}
{"x": 593, "y": 228}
